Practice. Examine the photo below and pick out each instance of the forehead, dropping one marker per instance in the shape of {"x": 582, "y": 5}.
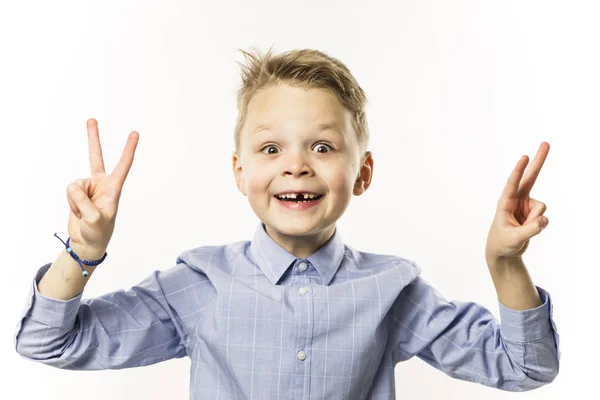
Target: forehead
{"x": 292, "y": 107}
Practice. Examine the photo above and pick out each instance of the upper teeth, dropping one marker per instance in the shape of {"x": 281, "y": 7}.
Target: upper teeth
{"x": 293, "y": 195}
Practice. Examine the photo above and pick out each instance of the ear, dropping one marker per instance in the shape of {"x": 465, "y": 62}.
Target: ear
{"x": 237, "y": 172}
{"x": 365, "y": 174}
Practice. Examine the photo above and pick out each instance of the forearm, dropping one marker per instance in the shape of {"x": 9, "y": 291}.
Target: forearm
{"x": 63, "y": 280}
{"x": 514, "y": 286}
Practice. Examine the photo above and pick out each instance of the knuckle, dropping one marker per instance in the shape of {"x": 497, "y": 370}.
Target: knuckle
{"x": 93, "y": 218}
{"x": 514, "y": 238}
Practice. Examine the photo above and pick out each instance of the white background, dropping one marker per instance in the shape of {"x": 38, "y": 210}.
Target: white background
{"x": 458, "y": 91}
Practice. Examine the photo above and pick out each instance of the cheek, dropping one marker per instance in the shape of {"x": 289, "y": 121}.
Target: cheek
{"x": 339, "y": 180}
{"x": 257, "y": 180}
{"x": 256, "y": 187}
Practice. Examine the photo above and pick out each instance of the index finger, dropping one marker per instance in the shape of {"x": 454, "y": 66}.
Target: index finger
{"x": 512, "y": 184}
{"x": 122, "y": 169}
{"x": 534, "y": 169}
{"x": 516, "y": 183}
{"x": 95, "y": 150}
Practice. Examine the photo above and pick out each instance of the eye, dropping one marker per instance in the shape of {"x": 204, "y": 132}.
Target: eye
{"x": 323, "y": 146}
{"x": 268, "y": 149}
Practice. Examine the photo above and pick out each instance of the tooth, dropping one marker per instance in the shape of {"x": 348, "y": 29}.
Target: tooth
{"x": 295, "y": 195}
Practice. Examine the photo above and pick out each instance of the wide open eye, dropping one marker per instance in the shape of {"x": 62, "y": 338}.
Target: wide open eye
{"x": 268, "y": 148}
{"x": 323, "y": 146}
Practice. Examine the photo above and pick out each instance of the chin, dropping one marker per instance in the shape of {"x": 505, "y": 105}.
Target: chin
{"x": 291, "y": 227}
{"x": 296, "y": 226}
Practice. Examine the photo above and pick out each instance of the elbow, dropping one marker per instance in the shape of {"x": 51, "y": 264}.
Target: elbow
{"x": 533, "y": 379}
{"x": 33, "y": 351}
{"x": 543, "y": 370}
{"x": 27, "y": 351}
{"x": 547, "y": 369}
{"x": 31, "y": 348}
{"x": 537, "y": 381}
{"x": 535, "y": 375}
{"x": 550, "y": 374}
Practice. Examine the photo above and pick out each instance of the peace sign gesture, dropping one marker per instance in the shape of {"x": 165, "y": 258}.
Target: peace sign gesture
{"x": 94, "y": 201}
{"x": 518, "y": 216}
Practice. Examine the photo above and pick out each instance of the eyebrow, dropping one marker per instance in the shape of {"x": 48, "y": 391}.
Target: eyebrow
{"x": 321, "y": 127}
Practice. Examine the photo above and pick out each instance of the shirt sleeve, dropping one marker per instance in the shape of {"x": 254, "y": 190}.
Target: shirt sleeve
{"x": 465, "y": 341}
{"x": 121, "y": 329}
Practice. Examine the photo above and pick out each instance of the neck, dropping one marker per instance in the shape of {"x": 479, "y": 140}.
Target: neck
{"x": 301, "y": 246}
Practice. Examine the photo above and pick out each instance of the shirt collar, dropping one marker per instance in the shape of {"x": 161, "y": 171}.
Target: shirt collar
{"x": 274, "y": 260}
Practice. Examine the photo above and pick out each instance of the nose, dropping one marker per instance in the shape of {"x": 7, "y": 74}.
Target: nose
{"x": 296, "y": 164}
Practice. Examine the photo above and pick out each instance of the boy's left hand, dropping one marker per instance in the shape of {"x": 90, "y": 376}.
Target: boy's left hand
{"x": 518, "y": 217}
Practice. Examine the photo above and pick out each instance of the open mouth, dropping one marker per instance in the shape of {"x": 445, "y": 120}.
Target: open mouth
{"x": 299, "y": 197}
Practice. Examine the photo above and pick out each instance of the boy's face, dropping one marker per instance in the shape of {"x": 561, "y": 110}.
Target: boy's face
{"x": 293, "y": 154}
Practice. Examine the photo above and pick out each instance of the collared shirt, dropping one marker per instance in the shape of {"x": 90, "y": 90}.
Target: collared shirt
{"x": 259, "y": 323}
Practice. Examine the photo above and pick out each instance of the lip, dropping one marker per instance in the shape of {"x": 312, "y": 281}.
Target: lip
{"x": 301, "y": 205}
{"x": 297, "y": 192}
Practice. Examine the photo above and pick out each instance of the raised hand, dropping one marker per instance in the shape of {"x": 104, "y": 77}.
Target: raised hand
{"x": 518, "y": 216}
{"x": 94, "y": 201}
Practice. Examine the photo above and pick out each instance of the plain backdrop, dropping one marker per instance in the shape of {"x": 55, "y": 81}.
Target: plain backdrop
{"x": 458, "y": 91}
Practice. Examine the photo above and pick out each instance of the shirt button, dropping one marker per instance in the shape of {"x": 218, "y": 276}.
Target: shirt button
{"x": 301, "y": 355}
{"x": 302, "y": 290}
{"x": 302, "y": 266}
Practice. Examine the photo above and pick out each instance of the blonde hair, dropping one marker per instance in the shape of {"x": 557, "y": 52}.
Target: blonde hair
{"x": 303, "y": 67}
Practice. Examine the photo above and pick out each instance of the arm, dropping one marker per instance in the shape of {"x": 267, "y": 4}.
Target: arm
{"x": 513, "y": 284}
{"x": 122, "y": 329}
{"x": 465, "y": 341}
{"x": 63, "y": 281}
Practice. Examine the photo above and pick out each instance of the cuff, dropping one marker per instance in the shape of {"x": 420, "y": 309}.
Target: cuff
{"x": 48, "y": 311}
{"x": 528, "y": 325}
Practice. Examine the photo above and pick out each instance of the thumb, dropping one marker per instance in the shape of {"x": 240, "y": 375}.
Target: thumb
{"x": 89, "y": 212}
{"x": 533, "y": 228}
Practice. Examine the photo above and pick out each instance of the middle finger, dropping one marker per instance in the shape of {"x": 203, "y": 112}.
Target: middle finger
{"x": 95, "y": 150}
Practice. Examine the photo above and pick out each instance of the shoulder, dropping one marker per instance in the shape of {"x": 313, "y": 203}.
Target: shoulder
{"x": 202, "y": 257}
{"x": 379, "y": 263}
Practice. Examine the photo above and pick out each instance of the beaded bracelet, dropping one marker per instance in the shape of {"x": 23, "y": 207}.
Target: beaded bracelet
{"x": 79, "y": 260}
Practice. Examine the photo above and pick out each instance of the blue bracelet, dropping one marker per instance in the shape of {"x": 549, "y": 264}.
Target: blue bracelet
{"x": 79, "y": 260}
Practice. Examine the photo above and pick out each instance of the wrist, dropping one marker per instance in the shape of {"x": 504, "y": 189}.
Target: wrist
{"x": 506, "y": 262}
{"x": 86, "y": 253}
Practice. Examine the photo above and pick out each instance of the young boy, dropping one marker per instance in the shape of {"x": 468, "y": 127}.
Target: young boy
{"x": 294, "y": 312}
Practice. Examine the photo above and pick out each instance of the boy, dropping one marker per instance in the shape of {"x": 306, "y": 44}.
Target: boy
{"x": 294, "y": 312}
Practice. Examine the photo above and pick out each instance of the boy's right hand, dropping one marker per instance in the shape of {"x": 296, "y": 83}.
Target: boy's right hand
{"x": 94, "y": 201}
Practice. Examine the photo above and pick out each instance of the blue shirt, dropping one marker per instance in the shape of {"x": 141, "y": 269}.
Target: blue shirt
{"x": 259, "y": 323}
